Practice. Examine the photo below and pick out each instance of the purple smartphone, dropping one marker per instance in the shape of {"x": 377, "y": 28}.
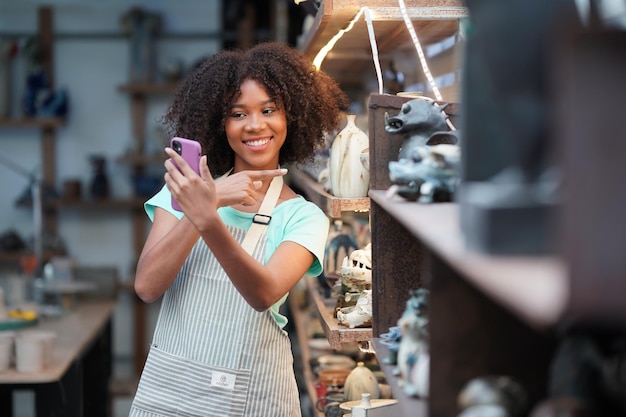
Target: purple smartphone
{"x": 191, "y": 151}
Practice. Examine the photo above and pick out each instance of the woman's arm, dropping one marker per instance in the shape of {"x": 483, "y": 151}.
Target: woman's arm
{"x": 168, "y": 244}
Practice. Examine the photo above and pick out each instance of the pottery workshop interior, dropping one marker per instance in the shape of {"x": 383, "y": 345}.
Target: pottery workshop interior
{"x": 463, "y": 156}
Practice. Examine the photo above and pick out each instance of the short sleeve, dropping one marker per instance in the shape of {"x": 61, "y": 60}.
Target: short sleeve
{"x": 307, "y": 226}
{"x": 162, "y": 199}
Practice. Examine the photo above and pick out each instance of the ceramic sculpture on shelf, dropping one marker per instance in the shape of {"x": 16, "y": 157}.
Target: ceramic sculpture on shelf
{"x": 359, "y": 381}
{"x": 493, "y": 395}
{"x": 428, "y": 162}
{"x": 99, "y": 185}
{"x": 355, "y": 275}
{"x": 356, "y": 270}
{"x": 417, "y": 121}
{"x": 143, "y": 26}
{"x": 431, "y": 176}
{"x": 413, "y": 357}
{"x": 359, "y": 315}
{"x": 349, "y": 164}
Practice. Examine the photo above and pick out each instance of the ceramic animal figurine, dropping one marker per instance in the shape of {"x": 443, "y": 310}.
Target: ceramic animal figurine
{"x": 428, "y": 161}
{"x": 414, "y": 341}
{"x": 497, "y": 394}
{"x": 417, "y": 121}
{"x": 431, "y": 174}
{"x": 360, "y": 315}
{"x": 142, "y": 26}
{"x": 99, "y": 187}
{"x": 392, "y": 340}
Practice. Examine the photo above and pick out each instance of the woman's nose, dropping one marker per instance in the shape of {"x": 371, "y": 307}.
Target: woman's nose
{"x": 254, "y": 122}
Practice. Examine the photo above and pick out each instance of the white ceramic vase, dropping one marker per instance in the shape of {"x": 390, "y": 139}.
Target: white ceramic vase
{"x": 349, "y": 163}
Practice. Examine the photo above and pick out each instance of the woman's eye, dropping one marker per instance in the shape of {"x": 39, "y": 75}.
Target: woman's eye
{"x": 237, "y": 115}
{"x": 269, "y": 110}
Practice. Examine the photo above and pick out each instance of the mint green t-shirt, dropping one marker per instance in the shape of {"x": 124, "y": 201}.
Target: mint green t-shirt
{"x": 296, "y": 220}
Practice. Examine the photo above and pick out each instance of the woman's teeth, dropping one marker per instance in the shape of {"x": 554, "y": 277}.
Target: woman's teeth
{"x": 259, "y": 142}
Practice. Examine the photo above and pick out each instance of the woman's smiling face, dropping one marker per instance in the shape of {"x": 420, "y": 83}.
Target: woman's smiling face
{"x": 256, "y": 128}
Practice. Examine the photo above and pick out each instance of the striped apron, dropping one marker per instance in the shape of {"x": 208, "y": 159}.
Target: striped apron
{"x": 214, "y": 355}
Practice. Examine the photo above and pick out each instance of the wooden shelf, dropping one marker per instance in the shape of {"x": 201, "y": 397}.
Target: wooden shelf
{"x": 36, "y": 122}
{"x": 17, "y": 256}
{"x": 98, "y": 204}
{"x": 433, "y": 20}
{"x": 105, "y": 203}
{"x": 332, "y": 206}
{"x": 142, "y": 160}
{"x": 144, "y": 89}
{"x": 337, "y": 334}
{"x": 410, "y": 406}
{"x": 535, "y": 288}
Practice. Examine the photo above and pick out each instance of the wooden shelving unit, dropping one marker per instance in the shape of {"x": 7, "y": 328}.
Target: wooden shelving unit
{"x": 142, "y": 160}
{"x": 401, "y": 260}
{"x": 96, "y": 204}
{"x": 35, "y": 122}
{"x": 337, "y": 334}
{"x": 139, "y": 94}
{"x": 148, "y": 89}
{"x": 484, "y": 310}
{"x": 46, "y": 125}
{"x": 535, "y": 288}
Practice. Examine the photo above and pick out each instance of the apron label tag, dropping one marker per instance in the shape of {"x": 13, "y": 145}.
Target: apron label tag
{"x": 223, "y": 380}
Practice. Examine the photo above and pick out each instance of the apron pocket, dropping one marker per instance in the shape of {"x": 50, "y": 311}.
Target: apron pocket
{"x": 175, "y": 386}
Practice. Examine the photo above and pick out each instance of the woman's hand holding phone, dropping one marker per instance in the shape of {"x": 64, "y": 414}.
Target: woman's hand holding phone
{"x": 239, "y": 188}
{"x": 190, "y": 152}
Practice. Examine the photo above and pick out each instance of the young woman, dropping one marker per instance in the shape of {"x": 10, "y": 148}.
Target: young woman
{"x": 219, "y": 348}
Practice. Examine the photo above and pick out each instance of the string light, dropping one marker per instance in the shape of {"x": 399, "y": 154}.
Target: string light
{"x": 321, "y": 55}
{"x": 319, "y": 58}
{"x": 374, "y": 47}
{"x": 420, "y": 52}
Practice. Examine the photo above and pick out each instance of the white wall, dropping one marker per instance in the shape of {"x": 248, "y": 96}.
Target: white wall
{"x": 91, "y": 68}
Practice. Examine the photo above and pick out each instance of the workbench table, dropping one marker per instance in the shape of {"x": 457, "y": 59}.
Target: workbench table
{"x": 76, "y": 384}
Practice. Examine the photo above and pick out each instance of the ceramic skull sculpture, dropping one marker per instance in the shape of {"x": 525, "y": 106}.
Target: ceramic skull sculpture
{"x": 356, "y": 270}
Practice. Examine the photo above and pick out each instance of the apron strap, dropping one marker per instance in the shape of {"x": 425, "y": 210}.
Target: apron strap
{"x": 262, "y": 218}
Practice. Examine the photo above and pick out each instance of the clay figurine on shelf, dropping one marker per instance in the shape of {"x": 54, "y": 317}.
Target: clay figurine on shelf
{"x": 99, "y": 185}
{"x": 359, "y": 381}
{"x": 340, "y": 244}
{"x": 427, "y": 169}
{"x": 392, "y": 340}
{"x": 355, "y": 277}
{"x": 493, "y": 395}
{"x": 349, "y": 162}
{"x": 418, "y": 120}
{"x": 356, "y": 270}
{"x": 413, "y": 357}
{"x": 359, "y": 315}
{"x": 143, "y": 26}
{"x": 432, "y": 177}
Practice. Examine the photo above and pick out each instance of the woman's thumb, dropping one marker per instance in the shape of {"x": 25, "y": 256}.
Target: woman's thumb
{"x": 205, "y": 172}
